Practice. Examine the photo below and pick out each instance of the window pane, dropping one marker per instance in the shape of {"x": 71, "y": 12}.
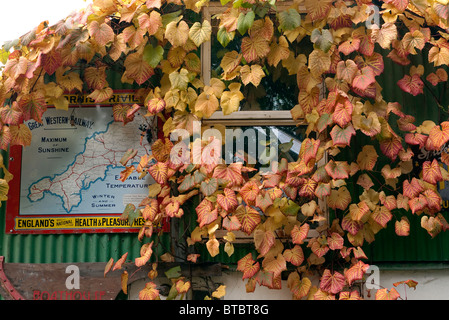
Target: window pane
{"x": 277, "y": 91}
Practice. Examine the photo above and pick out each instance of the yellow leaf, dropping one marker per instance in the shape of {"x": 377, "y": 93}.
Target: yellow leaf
{"x": 177, "y": 34}
{"x": 253, "y": 74}
{"x": 230, "y": 100}
{"x": 213, "y": 246}
{"x": 124, "y": 282}
{"x": 200, "y": 33}
{"x": 100, "y": 95}
{"x": 319, "y": 62}
{"x": 229, "y": 248}
{"x": 278, "y": 52}
{"x": 206, "y": 104}
{"x": 220, "y": 292}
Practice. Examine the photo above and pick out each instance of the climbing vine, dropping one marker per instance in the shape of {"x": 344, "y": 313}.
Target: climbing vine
{"x": 354, "y": 174}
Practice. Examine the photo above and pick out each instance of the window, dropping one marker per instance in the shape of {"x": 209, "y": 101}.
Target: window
{"x": 264, "y": 112}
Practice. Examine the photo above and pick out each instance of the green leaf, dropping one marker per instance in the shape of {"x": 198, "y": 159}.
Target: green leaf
{"x": 245, "y": 21}
{"x": 224, "y": 37}
{"x": 153, "y": 55}
{"x": 289, "y": 20}
{"x": 322, "y": 39}
{"x": 173, "y": 273}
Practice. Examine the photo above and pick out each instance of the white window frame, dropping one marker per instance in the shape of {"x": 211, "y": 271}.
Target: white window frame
{"x": 257, "y": 117}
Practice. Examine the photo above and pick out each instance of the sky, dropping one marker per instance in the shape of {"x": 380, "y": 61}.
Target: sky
{"x": 20, "y": 16}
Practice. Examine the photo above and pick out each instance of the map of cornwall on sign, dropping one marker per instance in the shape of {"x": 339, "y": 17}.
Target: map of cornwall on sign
{"x": 78, "y": 164}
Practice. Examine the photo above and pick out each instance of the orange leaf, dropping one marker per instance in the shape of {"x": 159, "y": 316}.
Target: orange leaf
{"x": 231, "y": 173}
{"x": 339, "y": 199}
{"x": 248, "y": 217}
{"x": 102, "y": 33}
{"x": 149, "y": 292}
{"x": 228, "y": 200}
{"x": 295, "y": 255}
{"x": 367, "y": 158}
{"x": 431, "y": 172}
{"x": 299, "y": 234}
{"x": 213, "y": 246}
{"x": 248, "y": 266}
{"x": 159, "y": 172}
{"x": 108, "y": 266}
{"x": 356, "y": 272}
{"x": 146, "y": 252}
{"x": 402, "y": 227}
{"x": 254, "y": 47}
{"x": 384, "y": 294}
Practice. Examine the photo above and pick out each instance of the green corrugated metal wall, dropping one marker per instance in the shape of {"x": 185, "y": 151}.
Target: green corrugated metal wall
{"x": 419, "y": 246}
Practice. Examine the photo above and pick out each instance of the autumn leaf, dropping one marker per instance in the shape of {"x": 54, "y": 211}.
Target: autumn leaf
{"x": 364, "y": 78}
{"x": 295, "y": 255}
{"x": 356, "y": 272}
{"x": 318, "y": 9}
{"x": 339, "y": 199}
{"x": 102, "y": 33}
{"x": 108, "y": 267}
{"x": 411, "y": 84}
{"x": 252, "y": 74}
{"x": 298, "y": 287}
{"x": 200, "y": 33}
{"x": 159, "y": 172}
{"x": 248, "y": 217}
{"x": 18, "y": 135}
{"x": 367, "y": 158}
{"x": 431, "y": 172}
{"x": 254, "y": 47}
{"x": 332, "y": 282}
{"x": 227, "y": 200}
{"x": 177, "y": 33}
{"x": 438, "y": 136}
{"x": 342, "y": 137}
{"x": 384, "y": 294}
{"x": 402, "y": 227}
{"x": 213, "y": 246}
{"x": 248, "y": 266}
{"x": 149, "y": 292}
{"x": 137, "y": 68}
{"x": 146, "y": 253}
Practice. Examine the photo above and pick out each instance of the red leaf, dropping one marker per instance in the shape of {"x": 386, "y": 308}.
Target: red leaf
{"x": 381, "y": 215}
{"x": 231, "y": 173}
{"x": 332, "y": 283}
{"x": 433, "y": 200}
{"x": 248, "y": 266}
{"x": 364, "y": 78}
{"x": 231, "y": 223}
{"x": 356, "y": 272}
{"x": 228, "y": 200}
{"x": 295, "y": 256}
{"x": 391, "y": 147}
{"x": 335, "y": 241}
{"x": 206, "y": 212}
{"x": 342, "y": 137}
{"x": 342, "y": 113}
{"x": 155, "y": 106}
{"x": 299, "y": 234}
{"x": 417, "y": 204}
{"x": 412, "y": 189}
{"x": 431, "y": 172}
{"x": 411, "y": 84}
{"x": 249, "y": 191}
{"x": 438, "y": 137}
{"x": 337, "y": 169}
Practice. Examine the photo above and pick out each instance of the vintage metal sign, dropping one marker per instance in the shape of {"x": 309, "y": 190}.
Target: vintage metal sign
{"x": 68, "y": 179}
